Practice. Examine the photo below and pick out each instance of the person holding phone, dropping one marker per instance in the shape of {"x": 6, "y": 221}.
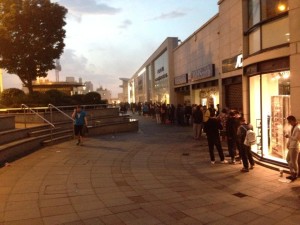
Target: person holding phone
{"x": 293, "y": 147}
{"x": 80, "y": 121}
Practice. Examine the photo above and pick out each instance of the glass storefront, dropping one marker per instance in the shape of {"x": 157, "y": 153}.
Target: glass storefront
{"x": 269, "y": 106}
{"x": 161, "y": 79}
{"x": 207, "y": 96}
{"x": 266, "y": 18}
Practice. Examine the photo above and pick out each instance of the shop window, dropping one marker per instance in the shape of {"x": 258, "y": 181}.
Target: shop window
{"x": 272, "y": 8}
{"x": 272, "y": 90}
{"x": 266, "y": 18}
{"x": 255, "y": 111}
{"x": 254, "y": 12}
{"x": 279, "y": 27}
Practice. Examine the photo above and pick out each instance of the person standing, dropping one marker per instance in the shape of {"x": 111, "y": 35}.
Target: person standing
{"x": 80, "y": 121}
{"x": 197, "y": 122}
{"x": 187, "y": 113}
{"x": 206, "y": 116}
{"x": 245, "y": 150}
{"x": 231, "y": 133}
{"x": 293, "y": 147}
{"x": 213, "y": 126}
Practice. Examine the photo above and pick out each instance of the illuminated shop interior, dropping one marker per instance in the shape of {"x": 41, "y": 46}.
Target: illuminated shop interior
{"x": 269, "y": 106}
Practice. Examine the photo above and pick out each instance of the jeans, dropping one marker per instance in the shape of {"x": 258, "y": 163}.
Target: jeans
{"x": 197, "y": 128}
{"x": 292, "y": 160}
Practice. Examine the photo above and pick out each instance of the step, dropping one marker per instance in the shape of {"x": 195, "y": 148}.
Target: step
{"x": 57, "y": 140}
{"x": 43, "y": 131}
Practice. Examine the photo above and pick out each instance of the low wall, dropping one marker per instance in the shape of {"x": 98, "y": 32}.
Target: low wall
{"x": 7, "y": 123}
{"x": 132, "y": 125}
{"x": 59, "y": 117}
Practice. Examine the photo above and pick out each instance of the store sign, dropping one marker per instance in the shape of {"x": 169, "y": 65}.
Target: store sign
{"x": 182, "y": 79}
{"x": 160, "y": 70}
{"x": 204, "y": 72}
{"x": 232, "y": 64}
{"x": 161, "y": 77}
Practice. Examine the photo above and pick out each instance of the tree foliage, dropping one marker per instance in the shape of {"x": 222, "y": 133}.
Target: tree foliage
{"x": 12, "y": 97}
{"x": 92, "y": 98}
{"x": 31, "y": 37}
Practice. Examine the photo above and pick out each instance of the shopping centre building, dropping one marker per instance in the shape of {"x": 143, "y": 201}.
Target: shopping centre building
{"x": 246, "y": 57}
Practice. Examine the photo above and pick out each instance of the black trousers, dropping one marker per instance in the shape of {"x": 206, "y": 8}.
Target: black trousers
{"x": 231, "y": 142}
{"x": 247, "y": 158}
{"x": 212, "y": 142}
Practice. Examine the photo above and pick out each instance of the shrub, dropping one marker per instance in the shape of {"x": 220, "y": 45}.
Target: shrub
{"x": 92, "y": 98}
{"x": 12, "y": 97}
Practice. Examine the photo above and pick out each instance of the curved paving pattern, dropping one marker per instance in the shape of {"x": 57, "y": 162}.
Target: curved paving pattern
{"x": 158, "y": 176}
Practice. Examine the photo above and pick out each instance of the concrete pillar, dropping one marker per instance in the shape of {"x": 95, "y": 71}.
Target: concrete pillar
{"x": 294, "y": 17}
{"x": 1, "y": 81}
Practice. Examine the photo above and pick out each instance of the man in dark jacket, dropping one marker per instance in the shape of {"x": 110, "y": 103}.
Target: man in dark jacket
{"x": 232, "y": 125}
{"x": 213, "y": 126}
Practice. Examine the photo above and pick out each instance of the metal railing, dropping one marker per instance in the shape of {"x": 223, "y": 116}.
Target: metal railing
{"x": 25, "y": 107}
{"x": 51, "y": 107}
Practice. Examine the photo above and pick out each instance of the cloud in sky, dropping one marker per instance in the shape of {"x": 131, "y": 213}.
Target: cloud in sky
{"x": 169, "y": 15}
{"x": 125, "y": 24}
{"x": 89, "y": 7}
{"x": 101, "y": 48}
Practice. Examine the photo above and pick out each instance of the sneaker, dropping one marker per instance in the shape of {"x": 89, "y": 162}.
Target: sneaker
{"x": 293, "y": 178}
{"x": 78, "y": 143}
{"x": 251, "y": 167}
{"x": 224, "y": 161}
{"x": 244, "y": 170}
{"x": 212, "y": 162}
{"x": 289, "y": 177}
{"x": 233, "y": 162}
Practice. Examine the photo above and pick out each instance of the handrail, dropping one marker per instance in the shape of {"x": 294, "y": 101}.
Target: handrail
{"x": 53, "y": 106}
{"x": 34, "y": 112}
{"x": 62, "y": 112}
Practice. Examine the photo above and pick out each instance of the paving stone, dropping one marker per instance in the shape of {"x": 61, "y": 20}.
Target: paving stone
{"x": 141, "y": 179}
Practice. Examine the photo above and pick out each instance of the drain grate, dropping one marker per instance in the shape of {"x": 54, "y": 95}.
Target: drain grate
{"x": 240, "y": 195}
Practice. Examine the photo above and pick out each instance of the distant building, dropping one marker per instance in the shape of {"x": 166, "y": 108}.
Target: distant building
{"x": 123, "y": 97}
{"x": 70, "y": 79}
{"x": 105, "y": 94}
{"x": 89, "y": 87}
{"x": 69, "y": 88}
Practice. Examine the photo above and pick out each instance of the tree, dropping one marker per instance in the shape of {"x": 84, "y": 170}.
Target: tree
{"x": 57, "y": 97}
{"x": 31, "y": 37}
{"x": 12, "y": 97}
{"x": 92, "y": 98}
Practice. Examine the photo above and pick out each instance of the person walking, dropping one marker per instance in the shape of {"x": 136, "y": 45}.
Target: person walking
{"x": 213, "y": 126}
{"x": 80, "y": 120}
{"x": 293, "y": 147}
{"x": 245, "y": 150}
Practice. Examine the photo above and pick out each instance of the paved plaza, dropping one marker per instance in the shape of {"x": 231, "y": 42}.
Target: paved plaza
{"x": 157, "y": 176}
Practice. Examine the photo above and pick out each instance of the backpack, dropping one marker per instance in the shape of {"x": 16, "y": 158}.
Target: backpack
{"x": 250, "y": 138}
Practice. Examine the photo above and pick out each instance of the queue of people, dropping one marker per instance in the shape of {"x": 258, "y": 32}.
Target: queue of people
{"x": 219, "y": 126}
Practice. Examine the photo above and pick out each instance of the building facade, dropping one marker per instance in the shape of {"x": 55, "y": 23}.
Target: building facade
{"x": 153, "y": 82}
{"x": 123, "y": 97}
{"x": 247, "y": 57}
{"x": 271, "y": 69}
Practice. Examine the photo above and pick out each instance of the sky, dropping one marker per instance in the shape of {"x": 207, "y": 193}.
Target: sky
{"x": 111, "y": 39}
